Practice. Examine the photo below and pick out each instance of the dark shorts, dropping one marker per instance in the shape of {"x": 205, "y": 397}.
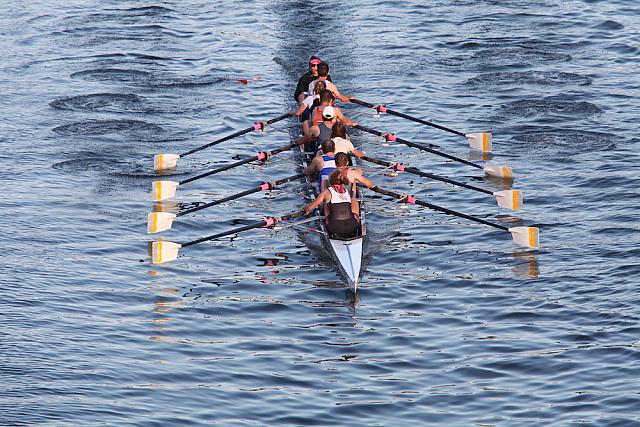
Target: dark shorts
{"x": 344, "y": 228}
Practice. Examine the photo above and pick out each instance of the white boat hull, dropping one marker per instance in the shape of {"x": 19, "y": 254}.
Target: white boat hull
{"x": 349, "y": 255}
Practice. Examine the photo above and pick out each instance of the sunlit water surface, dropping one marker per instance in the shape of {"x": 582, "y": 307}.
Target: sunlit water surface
{"x": 453, "y": 323}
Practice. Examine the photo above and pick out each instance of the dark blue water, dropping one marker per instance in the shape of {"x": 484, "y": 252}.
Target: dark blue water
{"x": 453, "y": 324}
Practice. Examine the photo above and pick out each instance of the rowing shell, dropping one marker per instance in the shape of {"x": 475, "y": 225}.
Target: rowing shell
{"x": 347, "y": 253}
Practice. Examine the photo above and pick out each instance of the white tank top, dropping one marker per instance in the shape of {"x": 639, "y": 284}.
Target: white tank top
{"x": 339, "y": 197}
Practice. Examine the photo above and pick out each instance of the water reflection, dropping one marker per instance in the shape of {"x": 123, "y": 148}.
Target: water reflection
{"x": 528, "y": 266}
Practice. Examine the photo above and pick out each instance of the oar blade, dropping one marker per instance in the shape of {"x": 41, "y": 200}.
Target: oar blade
{"x": 480, "y": 141}
{"x": 509, "y": 199}
{"x": 162, "y": 190}
{"x": 162, "y": 162}
{"x": 159, "y": 221}
{"x": 499, "y": 171}
{"x": 162, "y": 251}
{"x": 526, "y": 236}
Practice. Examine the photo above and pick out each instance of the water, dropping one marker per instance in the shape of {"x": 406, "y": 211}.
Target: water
{"x": 453, "y": 325}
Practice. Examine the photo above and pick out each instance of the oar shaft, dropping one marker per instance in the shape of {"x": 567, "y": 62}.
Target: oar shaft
{"x": 267, "y": 222}
{"x": 418, "y": 172}
{"x": 227, "y": 233}
{"x": 221, "y": 169}
{"x": 261, "y": 156}
{"x": 234, "y": 135}
{"x": 384, "y": 109}
{"x": 242, "y": 194}
{"x": 391, "y": 137}
{"x": 412, "y": 200}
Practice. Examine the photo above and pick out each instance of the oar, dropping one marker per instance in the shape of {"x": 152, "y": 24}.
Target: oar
{"x": 481, "y": 141}
{"x": 161, "y": 221}
{"x": 169, "y": 161}
{"x": 509, "y": 199}
{"x": 525, "y": 236}
{"x": 166, "y": 189}
{"x": 165, "y": 251}
{"x": 497, "y": 170}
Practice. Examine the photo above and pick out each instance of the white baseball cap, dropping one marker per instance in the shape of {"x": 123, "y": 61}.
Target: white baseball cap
{"x": 328, "y": 112}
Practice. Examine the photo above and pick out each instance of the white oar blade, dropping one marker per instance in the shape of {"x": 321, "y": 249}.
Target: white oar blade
{"x": 163, "y": 190}
{"x": 509, "y": 199}
{"x": 165, "y": 161}
{"x": 526, "y": 236}
{"x": 499, "y": 171}
{"x": 162, "y": 251}
{"x": 159, "y": 221}
{"x": 481, "y": 141}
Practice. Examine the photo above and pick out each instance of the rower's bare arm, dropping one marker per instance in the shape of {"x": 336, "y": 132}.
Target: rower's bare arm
{"x": 344, "y": 119}
{"x": 313, "y": 166}
{"x": 358, "y": 177}
{"x": 359, "y": 154}
{"x": 323, "y": 197}
{"x": 340, "y": 96}
{"x": 299, "y": 111}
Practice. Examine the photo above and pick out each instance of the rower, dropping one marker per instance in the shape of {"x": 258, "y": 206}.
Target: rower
{"x": 319, "y": 133}
{"x": 323, "y": 73}
{"x": 327, "y": 100}
{"x": 355, "y": 176}
{"x": 324, "y": 164}
{"x": 306, "y": 78}
{"x": 342, "y": 142}
{"x": 342, "y": 209}
{"x": 306, "y": 107}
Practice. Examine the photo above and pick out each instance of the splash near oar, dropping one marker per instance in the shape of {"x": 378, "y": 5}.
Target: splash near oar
{"x": 165, "y": 251}
{"x": 499, "y": 171}
{"x": 481, "y": 141}
{"x": 169, "y": 161}
{"x": 525, "y": 236}
{"x": 162, "y": 190}
{"x": 508, "y": 199}
{"x": 161, "y": 221}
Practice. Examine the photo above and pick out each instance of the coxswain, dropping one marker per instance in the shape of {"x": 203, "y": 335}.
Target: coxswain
{"x": 323, "y": 73}
{"x": 306, "y": 78}
{"x": 341, "y": 212}
{"x": 324, "y": 164}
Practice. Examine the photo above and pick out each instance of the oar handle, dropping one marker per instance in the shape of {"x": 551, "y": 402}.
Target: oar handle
{"x": 256, "y": 126}
{"x": 267, "y": 222}
{"x": 384, "y": 109}
{"x": 413, "y": 200}
{"x": 416, "y": 171}
{"x": 363, "y": 103}
{"x": 277, "y": 119}
{"x": 392, "y": 137}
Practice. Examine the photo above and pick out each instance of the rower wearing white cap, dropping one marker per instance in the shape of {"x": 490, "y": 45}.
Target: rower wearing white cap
{"x": 319, "y": 132}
